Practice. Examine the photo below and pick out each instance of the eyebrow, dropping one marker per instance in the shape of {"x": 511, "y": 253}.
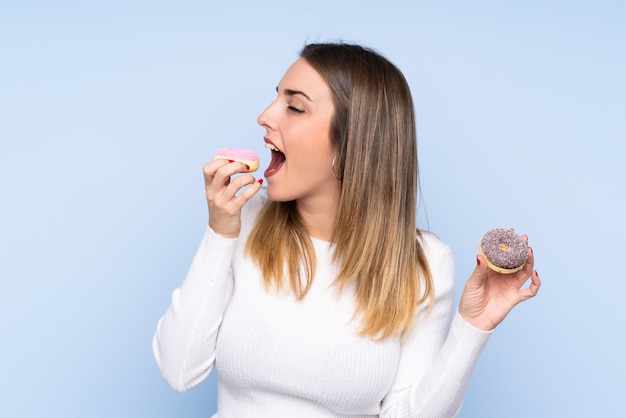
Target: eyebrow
{"x": 290, "y": 92}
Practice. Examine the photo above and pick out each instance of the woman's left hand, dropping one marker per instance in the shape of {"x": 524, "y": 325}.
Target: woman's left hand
{"x": 489, "y": 296}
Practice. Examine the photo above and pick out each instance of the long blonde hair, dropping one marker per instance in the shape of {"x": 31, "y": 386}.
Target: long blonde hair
{"x": 375, "y": 238}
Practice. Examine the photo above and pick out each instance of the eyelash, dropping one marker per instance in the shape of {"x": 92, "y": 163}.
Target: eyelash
{"x": 295, "y": 110}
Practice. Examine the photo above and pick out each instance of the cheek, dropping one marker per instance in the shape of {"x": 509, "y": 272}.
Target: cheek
{"x": 320, "y": 141}
{"x": 310, "y": 147}
{"x": 315, "y": 157}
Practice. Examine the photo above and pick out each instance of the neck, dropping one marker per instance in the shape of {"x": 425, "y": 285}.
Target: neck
{"x": 319, "y": 217}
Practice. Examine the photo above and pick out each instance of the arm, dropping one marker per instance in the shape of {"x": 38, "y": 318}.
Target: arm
{"x": 435, "y": 369}
{"x": 437, "y": 359}
{"x": 185, "y": 338}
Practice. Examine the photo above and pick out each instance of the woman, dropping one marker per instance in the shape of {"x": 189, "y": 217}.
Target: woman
{"x": 323, "y": 300}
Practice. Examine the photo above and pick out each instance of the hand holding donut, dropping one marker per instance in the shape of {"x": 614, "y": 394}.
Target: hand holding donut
{"x": 221, "y": 193}
{"x": 490, "y": 295}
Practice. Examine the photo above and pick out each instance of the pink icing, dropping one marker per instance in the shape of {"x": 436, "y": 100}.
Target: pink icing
{"x": 237, "y": 154}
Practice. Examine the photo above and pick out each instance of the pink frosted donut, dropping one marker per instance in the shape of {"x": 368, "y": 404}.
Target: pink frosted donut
{"x": 505, "y": 251}
{"x": 246, "y": 156}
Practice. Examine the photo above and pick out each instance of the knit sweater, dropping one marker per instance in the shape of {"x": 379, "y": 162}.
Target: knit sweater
{"x": 280, "y": 357}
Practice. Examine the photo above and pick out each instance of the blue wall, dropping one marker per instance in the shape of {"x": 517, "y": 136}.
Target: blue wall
{"x": 108, "y": 110}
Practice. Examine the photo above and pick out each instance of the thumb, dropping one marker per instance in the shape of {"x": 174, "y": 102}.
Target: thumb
{"x": 479, "y": 275}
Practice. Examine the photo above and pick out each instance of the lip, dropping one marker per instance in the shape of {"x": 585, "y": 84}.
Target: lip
{"x": 269, "y": 141}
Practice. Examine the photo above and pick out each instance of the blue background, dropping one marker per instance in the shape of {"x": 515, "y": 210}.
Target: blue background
{"x": 108, "y": 110}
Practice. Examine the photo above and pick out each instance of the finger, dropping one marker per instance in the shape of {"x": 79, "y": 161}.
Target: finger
{"x": 221, "y": 187}
{"x": 528, "y": 267}
{"x": 236, "y": 194}
{"x": 533, "y": 288}
{"x": 221, "y": 170}
{"x": 237, "y": 184}
{"x": 250, "y": 191}
{"x": 210, "y": 169}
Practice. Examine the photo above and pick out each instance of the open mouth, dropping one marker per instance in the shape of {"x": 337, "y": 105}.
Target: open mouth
{"x": 278, "y": 159}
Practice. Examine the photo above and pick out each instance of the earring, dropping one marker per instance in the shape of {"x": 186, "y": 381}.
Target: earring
{"x": 332, "y": 168}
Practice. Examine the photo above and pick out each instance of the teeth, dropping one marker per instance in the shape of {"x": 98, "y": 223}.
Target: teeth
{"x": 271, "y": 146}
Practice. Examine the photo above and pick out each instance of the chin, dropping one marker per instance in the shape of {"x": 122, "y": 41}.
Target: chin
{"x": 276, "y": 196}
{"x": 272, "y": 195}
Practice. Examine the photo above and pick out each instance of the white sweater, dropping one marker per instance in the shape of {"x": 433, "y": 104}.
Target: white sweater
{"x": 279, "y": 357}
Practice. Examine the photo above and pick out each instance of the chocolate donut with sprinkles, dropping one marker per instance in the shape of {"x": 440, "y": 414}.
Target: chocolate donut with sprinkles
{"x": 505, "y": 251}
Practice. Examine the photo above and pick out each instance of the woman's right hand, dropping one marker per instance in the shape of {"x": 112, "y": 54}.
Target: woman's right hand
{"x": 221, "y": 194}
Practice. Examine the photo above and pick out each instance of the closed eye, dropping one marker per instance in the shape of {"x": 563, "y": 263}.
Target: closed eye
{"x": 295, "y": 110}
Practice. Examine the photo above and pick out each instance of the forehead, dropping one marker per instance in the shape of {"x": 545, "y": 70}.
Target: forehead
{"x": 303, "y": 77}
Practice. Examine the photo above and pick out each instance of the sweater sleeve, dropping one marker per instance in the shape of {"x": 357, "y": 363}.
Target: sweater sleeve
{"x": 437, "y": 358}
{"x": 185, "y": 338}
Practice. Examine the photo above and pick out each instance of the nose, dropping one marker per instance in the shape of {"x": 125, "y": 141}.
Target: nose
{"x": 265, "y": 119}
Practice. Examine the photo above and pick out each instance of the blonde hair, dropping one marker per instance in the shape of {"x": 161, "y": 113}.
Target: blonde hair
{"x": 374, "y": 235}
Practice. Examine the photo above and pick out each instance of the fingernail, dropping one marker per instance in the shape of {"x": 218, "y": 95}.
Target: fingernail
{"x": 531, "y": 249}
{"x": 536, "y": 274}
{"x": 260, "y": 181}
{"x": 231, "y": 161}
{"x": 477, "y": 261}
{"x": 247, "y": 166}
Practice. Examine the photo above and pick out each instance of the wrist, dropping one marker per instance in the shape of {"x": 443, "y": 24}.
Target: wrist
{"x": 222, "y": 235}
{"x": 477, "y": 321}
